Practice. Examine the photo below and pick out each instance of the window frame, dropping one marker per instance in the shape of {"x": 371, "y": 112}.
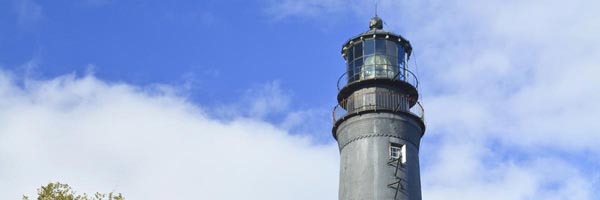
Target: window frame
{"x": 397, "y": 151}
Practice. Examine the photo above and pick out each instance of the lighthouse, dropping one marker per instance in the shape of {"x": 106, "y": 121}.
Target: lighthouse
{"x": 379, "y": 121}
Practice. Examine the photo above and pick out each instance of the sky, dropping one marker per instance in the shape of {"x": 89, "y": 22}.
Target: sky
{"x": 232, "y": 99}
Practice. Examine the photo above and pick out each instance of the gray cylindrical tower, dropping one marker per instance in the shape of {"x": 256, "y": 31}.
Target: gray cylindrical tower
{"x": 378, "y": 122}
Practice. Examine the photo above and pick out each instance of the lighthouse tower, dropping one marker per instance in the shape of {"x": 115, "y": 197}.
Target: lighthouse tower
{"x": 378, "y": 122}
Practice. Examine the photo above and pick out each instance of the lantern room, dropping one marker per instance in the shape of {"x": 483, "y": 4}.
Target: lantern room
{"x": 376, "y": 54}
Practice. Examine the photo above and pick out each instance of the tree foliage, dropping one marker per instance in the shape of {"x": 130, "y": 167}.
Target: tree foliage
{"x": 60, "y": 191}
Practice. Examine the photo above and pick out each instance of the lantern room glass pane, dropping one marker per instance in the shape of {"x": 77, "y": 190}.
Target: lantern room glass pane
{"x": 358, "y": 50}
{"x": 358, "y": 63}
{"x": 369, "y": 47}
{"x": 380, "y": 46}
{"x": 357, "y": 66}
{"x": 380, "y": 71}
{"x": 350, "y": 54}
{"x": 391, "y": 48}
{"x": 350, "y": 71}
{"x": 393, "y": 61}
{"x": 367, "y": 72}
{"x": 401, "y": 52}
{"x": 401, "y": 61}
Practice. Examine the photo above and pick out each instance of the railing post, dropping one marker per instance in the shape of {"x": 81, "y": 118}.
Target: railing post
{"x": 405, "y": 65}
{"x": 333, "y": 114}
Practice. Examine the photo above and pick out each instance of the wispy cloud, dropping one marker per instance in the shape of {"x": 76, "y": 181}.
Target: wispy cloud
{"x": 259, "y": 101}
{"x": 101, "y": 136}
{"x": 28, "y": 12}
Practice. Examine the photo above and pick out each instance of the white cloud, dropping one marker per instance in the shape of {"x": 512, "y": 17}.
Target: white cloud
{"x": 100, "y": 136}
{"x": 268, "y": 98}
{"x": 258, "y": 101}
{"x": 516, "y": 78}
{"x": 540, "y": 179}
{"x": 527, "y": 68}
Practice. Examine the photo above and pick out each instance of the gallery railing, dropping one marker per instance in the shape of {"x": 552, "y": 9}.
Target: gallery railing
{"x": 377, "y": 101}
{"x": 392, "y": 74}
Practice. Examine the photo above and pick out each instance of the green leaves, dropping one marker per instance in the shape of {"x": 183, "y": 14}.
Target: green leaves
{"x": 60, "y": 191}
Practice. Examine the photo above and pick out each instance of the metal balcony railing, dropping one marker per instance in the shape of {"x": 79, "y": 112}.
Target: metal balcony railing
{"x": 377, "y": 101}
{"x": 402, "y": 75}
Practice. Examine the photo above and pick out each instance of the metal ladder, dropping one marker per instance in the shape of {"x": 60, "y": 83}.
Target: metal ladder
{"x": 397, "y": 185}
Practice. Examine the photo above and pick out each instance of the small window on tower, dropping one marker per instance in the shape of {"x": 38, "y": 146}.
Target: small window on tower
{"x": 395, "y": 150}
{"x": 398, "y": 151}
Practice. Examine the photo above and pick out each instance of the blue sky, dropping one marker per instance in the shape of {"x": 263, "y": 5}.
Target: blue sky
{"x": 114, "y": 95}
{"x": 227, "y": 44}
